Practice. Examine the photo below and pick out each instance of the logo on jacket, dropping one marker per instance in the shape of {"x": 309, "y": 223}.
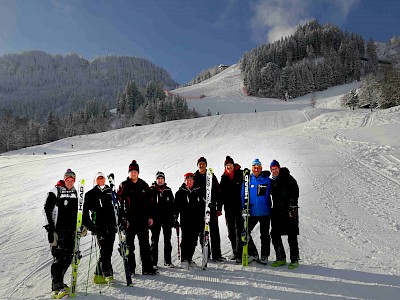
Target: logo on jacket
{"x": 65, "y": 202}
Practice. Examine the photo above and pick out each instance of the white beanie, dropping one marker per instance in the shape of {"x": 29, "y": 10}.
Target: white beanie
{"x": 98, "y": 174}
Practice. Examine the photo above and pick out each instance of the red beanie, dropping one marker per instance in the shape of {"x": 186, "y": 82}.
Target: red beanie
{"x": 134, "y": 166}
{"x": 228, "y": 160}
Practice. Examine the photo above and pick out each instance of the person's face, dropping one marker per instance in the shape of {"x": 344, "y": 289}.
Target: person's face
{"x": 100, "y": 181}
{"x": 134, "y": 175}
{"x": 229, "y": 168}
{"x": 275, "y": 171}
{"x": 189, "y": 182}
{"x": 160, "y": 180}
{"x": 202, "y": 167}
{"x": 69, "y": 182}
{"x": 256, "y": 170}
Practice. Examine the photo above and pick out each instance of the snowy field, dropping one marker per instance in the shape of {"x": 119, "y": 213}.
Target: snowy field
{"x": 347, "y": 164}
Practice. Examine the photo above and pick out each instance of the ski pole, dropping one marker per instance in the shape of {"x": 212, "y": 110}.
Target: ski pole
{"x": 97, "y": 263}
{"x": 177, "y": 239}
{"x": 90, "y": 259}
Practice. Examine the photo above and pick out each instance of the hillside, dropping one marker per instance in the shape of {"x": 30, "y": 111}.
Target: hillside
{"x": 35, "y": 82}
{"x": 347, "y": 165}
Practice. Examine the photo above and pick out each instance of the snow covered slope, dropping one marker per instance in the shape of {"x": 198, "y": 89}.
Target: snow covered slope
{"x": 347, "y": 164}
{"x": 224, "y": 94}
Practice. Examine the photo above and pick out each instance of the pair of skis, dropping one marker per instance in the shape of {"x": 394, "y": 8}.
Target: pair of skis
{"x": 206, "y": 233}
{"x": 123, "y": 246}
{"x": 246, "y": 215}
{"x": 76, "y": 258}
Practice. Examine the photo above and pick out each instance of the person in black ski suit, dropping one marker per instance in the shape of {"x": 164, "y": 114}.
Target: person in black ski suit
{"x": 230, "y": 195}
{"x": 135, "y": 198}
{"x": 190, "y": 206}
{"x": 99, "y": 218}
{"x": 200, "y": 181}
{"x": 60, "y": 208}
{"x": 284, "y": 220}
{"x": 163, "y": 217}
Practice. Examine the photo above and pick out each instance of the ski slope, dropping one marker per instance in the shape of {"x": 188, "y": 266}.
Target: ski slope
{"x": 347, "y": 164}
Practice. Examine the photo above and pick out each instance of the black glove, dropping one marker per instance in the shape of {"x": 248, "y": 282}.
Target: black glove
{"x": 52, "y": 236}
{"x": 293, "y": 212}
{"x": 175, "y": 223}
{"x": 211, "y": 205}
{"x": 94, "y": 229}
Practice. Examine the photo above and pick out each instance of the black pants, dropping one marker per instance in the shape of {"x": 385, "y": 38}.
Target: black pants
{"x": 142, "y": 233}
{"x": 155, "y": 236}
{"x": 280, "y": 250}
{"x": 234, "y": 223}
{"x": 62, "y": 258}
{"x": 105, "y": 241}
{"x": 264, "y": 235}
{"x": 190, "y": 234}
{"x": 214, "y": 235}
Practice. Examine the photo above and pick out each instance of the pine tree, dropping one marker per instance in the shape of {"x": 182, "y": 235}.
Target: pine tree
{"x": 50, "y": 132}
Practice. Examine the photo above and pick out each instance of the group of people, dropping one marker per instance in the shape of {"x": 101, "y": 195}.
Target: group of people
{"x": 273, "y": 200}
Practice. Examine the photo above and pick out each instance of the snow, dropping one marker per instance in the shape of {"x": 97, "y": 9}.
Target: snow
{"x": 347, "y": 164}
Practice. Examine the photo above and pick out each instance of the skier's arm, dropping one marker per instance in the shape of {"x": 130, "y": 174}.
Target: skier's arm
{"x": 86, "y": 220}
{"x": 123, "y": 209}
{"x": 49, "y": 206}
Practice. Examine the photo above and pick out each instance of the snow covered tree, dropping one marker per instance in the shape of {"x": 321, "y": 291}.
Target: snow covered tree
{"x": 350, "y": 99}
{"x": 50, "y": 130}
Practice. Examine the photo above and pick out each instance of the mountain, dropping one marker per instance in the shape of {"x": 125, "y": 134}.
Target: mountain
{"x": 35, "y": 82}
{"x": 346, "y": 164}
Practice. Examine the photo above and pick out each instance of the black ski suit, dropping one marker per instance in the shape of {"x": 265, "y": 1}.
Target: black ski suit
{"x": 99, "y": 218}
{"x": 215, "y": 239}
{"x": 285, "y": 194}
{"x": 136, "y": 203}
{"x": 60, "y": 208}
{"x": 190, "y": 206}
{"x": 163, "y": 217}
{"x": 230, "y": 190}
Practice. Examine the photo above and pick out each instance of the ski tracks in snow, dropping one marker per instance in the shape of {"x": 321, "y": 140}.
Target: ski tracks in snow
{"x": 343, "y": 204}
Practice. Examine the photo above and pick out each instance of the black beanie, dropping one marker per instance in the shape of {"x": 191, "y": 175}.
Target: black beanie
{"x": 160, "y": 174}
{"x": 228, "y": 160}
{"x": 133, "y": 166}
{"x": 201, "y": 159}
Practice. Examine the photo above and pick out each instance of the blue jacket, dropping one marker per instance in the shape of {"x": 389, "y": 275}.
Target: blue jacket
{"x": 259, "y": 191}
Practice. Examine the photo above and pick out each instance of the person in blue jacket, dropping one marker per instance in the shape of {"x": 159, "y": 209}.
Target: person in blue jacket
{"x": 260, "y": 210}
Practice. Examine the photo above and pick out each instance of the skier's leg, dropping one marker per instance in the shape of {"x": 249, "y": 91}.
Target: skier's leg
{"x": 143, "y": 236}
{"x": 239, "y": 226}
{"x": 252, "y": 250}
{"x": 155, "y": 237}
{"x": 214, "y": 235}
{"x": 167, "y": 232}
{"x": 130, "y": 241}
{"x": 106, "y": 243}
{"x": 230, "y": 225}
{"x": 294, "y": 247}
{"x": 264, "y": 236}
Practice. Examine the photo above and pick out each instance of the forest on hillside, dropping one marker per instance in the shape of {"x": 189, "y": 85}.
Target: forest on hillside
{"x": 34, "y": 83}
{"x": 314, "y": 58}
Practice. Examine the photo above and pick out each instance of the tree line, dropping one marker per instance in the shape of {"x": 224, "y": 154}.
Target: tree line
{"x": 314, "y": 58}
{"x": 134, "y": 107}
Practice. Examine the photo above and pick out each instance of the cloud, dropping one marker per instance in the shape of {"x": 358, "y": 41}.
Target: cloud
{"x": 274, "y": 19}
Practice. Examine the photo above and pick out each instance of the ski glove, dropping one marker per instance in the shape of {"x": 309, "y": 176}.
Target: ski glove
{"x": 52, "y": 237}
{"x": 84, "y": 231}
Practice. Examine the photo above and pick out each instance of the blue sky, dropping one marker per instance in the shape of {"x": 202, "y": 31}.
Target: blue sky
{"x": 182, "y": 36}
